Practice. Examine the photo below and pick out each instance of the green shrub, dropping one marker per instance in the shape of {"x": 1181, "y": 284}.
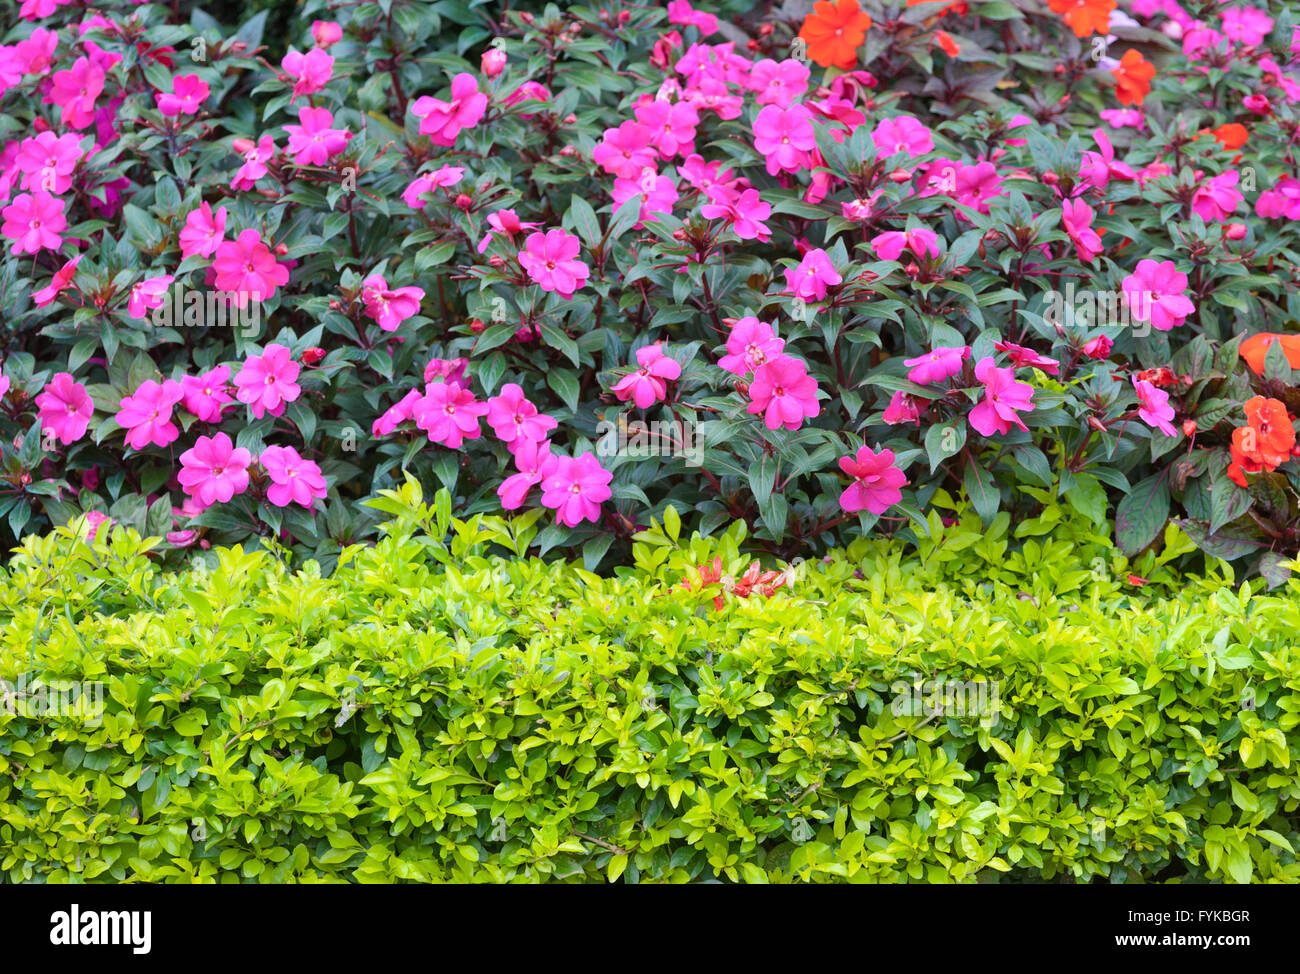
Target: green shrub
{"x": 434, "y": 712}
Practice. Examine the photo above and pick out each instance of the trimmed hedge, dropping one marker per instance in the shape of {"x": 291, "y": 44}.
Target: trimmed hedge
{"x": 435, "y": 713}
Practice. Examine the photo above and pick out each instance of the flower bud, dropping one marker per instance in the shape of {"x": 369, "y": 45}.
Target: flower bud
{"x": 310, "y": 356}
{"x": 1235, "y": 231}
{"x": 493, "y": 62}
{"x": 1189, "y": 427}
{"x": 900, "y": 176}
{"x": 742, "y": 388}
{"x": 476, "y": 326}
{"x": 463, "y": 202}
{"x": 496, "y": 260}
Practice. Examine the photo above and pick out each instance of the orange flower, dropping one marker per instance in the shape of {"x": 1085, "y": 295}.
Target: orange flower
{"x": 834, "y": 31}
{"x": 950, "y": 47}
{"x": 1084, "y": 17}
{"x": 1243, "y": 455}
{"x": 1133, "y": 78}
{"x": 1265, "y": 444}
{"x": 1255, "y": 348}
{"x": 1231, "y": 136}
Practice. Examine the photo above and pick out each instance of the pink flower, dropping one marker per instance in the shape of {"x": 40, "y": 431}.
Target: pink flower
{"x": 310, "y": 72}
{"x": 1257, "y": 104}
{"x": 204, "y": 231}
{"x": 750, "y": 344}
{"x": 443, "y": 121}
{"x": 551, "y": 261}
{"x": 326, "y": 33}
{"x": 146, "y": 415}
{"x": 1154, "y": 408}
{"x": 1004, "y": 398}
{"x": 47, "y": 161}
{"x": 34, "y": 222}
{"x": 778, "y": 83}
{"x": 649, "y": 383}
{"x": 1119, "y": 118}
{"x": 449, "y": 413}
{"x": 36, "y": 54}
{"x": 1154, "y": 292}
{"x": 784, "y": 136}
{"x": 1022, "y": 357}
{"x": 207, "y": 395}
{"x": 902, "y": 134}
{"x": 147, "y": 294}
{"x": 658, "y": 194}
{"x": 182, "y": 539}
{"x": 313, "y": 142}
{"x": 921, "y": 242}
{"x": 515, "y": 420}
{"x": 93, "y": 521}
{"x": 493, "y": 62}
{"x": 937, "y": 365}
{"x": 65, "y": 407}
{"x": 681, "y": 12}
{"x": 1283, "y": 200}
{"x": 186, "y": 97}
{"x": 784, "y": 393}
{"x": 447, "y": 369}
{"x": 672, "y": 127}
{"x": 1077, "y": 217}
{"x": 575, "y": 489}
{"x": 75, "y": 89}
{"x": 1098, "y": 348}
{"x": 62, "y": 278}
{"x": 528, "y": 91}
{"x": 422, "y": 185}
{"x": 389, "y": 307}
{"x": 876, "y": 481}
{"x": 625, "y": 151}
{"x": 810, "y": 279}
{"x": 1217, "y": 199}
{"x": 1099, "y": 168}
{"x": 902, "y": 408}
{"x": 214, "y": 470}
{"x": 246, "y": 268}
{"x": 396, "y": 414}
{"x": 506, "y": 223}
{"x": 745, "y": 215}
{"x": 293, "y": 479}
{"x": 255, "y": 159}
{"x": 534, "y": 462}
{"x": 1246, "y": 25}
{"x": 268, "y": 381}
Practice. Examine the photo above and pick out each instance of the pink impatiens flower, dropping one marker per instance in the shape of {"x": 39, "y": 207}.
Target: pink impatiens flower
{"x": 75, "y": 89}
{"x": 575, "y": 489}
{"x": 310, "y": 72}
{"x": 876, "y": 481}
{"x": 750, "y": 344}
{"x": 902, "y": 134}
{"x": 47, "y": 161}
{"x": 551, "y": 261}
{"x": 326, "y": 33}
{"x": 1077, "y": 217}
{"x": 246, "y": 268}
{"x": 1283, "y": 200}
{"x": 1154, "y": 408}
{"x": 778, "y": 82}
{"x": 902, "y": 408}
{"x": 396, "y": 414}
{"x": 34, "y": 222}
{"x": 214, "y": 470}
{"x": 1218, "y": 198}
{"x": 64, "y": 408}
{"x": 62, "y": 278}
{"x": 937, "y": 365}
{"x": 294, "y": 480}
{"x": 207, "y": 395}
{"x": 256, "y": 155}
{"x": 146, "y": 295}
{"x": 784, "y": 136}
{"x": 1022, "y": 357}
{"x": 268, "y": 381}
{"x": 146, "y": 415}
{"x": 1154, "y": 293}
{"x": 744, "y": 214}
{"x": 534, "y": 461}
{"x": 389, "y": 307}
{"x": 649, "y": 383}
{"x": 204, "y": 231}
{"x": 784, "y": 393}
{"x": 443, "y": 121}
{"x": 1004, "y": 398}
{"x": 671, "y": 126}
{"x": 312, "y": 142}
{"x": 186, "y": 97}
{"x": 810, "y": 279}
{"x": 506, "y": 223}
{"x": 449, "y": 413}
{"x": 515, "y": 420}
{"x": 920, "y": 241}
{"x": 625, "y": 151}
{"x": 425, "y": 183}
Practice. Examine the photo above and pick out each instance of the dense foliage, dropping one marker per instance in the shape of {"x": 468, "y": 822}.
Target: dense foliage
{"x": 602, "y": 259}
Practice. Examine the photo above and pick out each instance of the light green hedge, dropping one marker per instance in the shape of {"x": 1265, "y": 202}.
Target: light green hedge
{"x": 433, "y": 713}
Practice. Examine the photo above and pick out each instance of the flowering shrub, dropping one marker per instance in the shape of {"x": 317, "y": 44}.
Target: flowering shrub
{"x": 830, "y": 266}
